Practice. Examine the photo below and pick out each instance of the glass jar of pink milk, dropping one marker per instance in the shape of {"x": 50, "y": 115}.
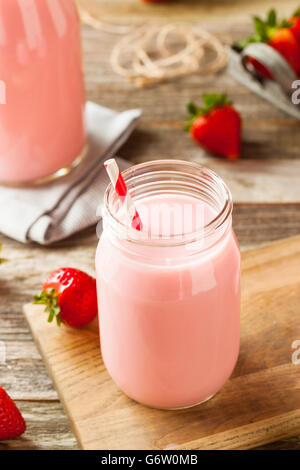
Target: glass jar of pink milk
{"x": 169, "y": 295}
{"x": 42, "y": 95}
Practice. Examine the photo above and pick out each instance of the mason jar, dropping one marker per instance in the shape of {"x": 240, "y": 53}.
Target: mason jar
{"x": 169, "y": 295}
{"x": 42, "y": 98}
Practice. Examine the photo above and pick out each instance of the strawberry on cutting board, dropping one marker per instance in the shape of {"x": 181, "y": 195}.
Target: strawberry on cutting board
{"x": 70, "y": 297}
{"x": 280, "y": 36}
{"x": 216, "y": 126}
{"x": 12, "y": 423}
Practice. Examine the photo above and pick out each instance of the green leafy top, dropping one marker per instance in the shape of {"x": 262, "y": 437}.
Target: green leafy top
{"x": 296, "y": 12}
{"x": 289, "y": 23}
{"x": 211, "y": 101}
{"x": 49, "y": 299}
{"x": 264, "y": 29}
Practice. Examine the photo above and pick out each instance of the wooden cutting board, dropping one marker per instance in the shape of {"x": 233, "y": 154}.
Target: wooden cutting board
{"x": 260, "y": 403}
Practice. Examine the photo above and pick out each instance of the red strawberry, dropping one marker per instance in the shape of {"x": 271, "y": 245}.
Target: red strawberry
{"x": 294, "y": 23}
{"x": 261, "y": 69}
{"x": 70, "y": 296}
{"x": 284, "y": 41}
{"x": 279, "y": 36}
{"x": 12, "y": 423}
{"x": 216, "y": 126}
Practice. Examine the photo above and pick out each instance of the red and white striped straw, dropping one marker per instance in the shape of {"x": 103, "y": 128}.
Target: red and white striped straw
{"x": 118, "y": 183}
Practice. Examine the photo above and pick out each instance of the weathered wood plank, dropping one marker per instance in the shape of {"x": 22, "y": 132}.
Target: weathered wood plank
{"x": 226, "y": 11}
{"x": 23, "y": 374}
{"x": 160, "y": 101}
{"x": 47, "y": 428}
{"x": 256, "y": 224}
{"x": 165, "y": 102}
{"x": 264, "y": 149}
{"x": 269, "y": 166}
{"x": 249, "y": 179}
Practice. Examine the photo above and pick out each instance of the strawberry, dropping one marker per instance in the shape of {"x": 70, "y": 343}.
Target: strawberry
{"x": 216, "y": 126}
{"x": 294, "y": 24}
{"x": 280, "y": 36}
{"x": 261, "y": 69}
{"x": 284, "y": 41}
{"x": 12, "y": 423}
{"x": 70, "y": 296}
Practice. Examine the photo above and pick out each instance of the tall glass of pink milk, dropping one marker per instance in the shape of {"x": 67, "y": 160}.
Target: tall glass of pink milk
{"x": 41, "y": 90}
{"x": 169, "y": 295}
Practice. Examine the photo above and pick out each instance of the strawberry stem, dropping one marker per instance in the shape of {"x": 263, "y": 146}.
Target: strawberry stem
{"x": 264, "y": 30}
{"x": 50, "y": 299}
{"x": 192, "y": 109}
{"x": 296, "y": 12}
{"x": 211, "y": 101}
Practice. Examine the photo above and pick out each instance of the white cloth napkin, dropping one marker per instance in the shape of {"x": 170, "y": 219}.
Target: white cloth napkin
{"x": 54, "y": 211}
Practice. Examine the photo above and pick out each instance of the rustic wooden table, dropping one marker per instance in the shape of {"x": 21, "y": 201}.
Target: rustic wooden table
{"x": 265, "y": 185}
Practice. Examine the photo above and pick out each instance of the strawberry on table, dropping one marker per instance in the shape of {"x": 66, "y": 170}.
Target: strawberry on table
{"x": 12, "y": 423}
{"x": 284, "y": 41}
{"x": 216, "y": 126}
{"x": 70, "y": 296}
{"x": 280, "y": 36}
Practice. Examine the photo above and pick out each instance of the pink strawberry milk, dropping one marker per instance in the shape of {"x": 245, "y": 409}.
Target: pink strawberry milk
{"x": 169, "y": 295}
{"x": 41, "y": 117}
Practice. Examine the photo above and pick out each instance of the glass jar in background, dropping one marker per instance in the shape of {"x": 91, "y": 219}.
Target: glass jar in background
{"x": 42, "y": 133}
{"x": 169, "y": 296}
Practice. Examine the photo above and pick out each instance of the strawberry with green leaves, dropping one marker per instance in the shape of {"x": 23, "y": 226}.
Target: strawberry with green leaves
{"x": 216, "y": 126}
{"x": 294, "y": 23}
{"x": 70, "y": 297}
{"x": 284, "y": 41}
{"x": 12, "y": 423}
{"x": 278, "y": 35}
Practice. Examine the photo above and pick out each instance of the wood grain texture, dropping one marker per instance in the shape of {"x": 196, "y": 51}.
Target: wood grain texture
{"x": 269, "y": 168}
{"x": 240, "y": 416}
{"x": 47, "y": 428}
{"x": 223, "y": 11}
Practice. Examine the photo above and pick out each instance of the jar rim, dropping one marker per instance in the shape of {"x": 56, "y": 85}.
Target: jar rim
{"x": 163, "y": 166}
